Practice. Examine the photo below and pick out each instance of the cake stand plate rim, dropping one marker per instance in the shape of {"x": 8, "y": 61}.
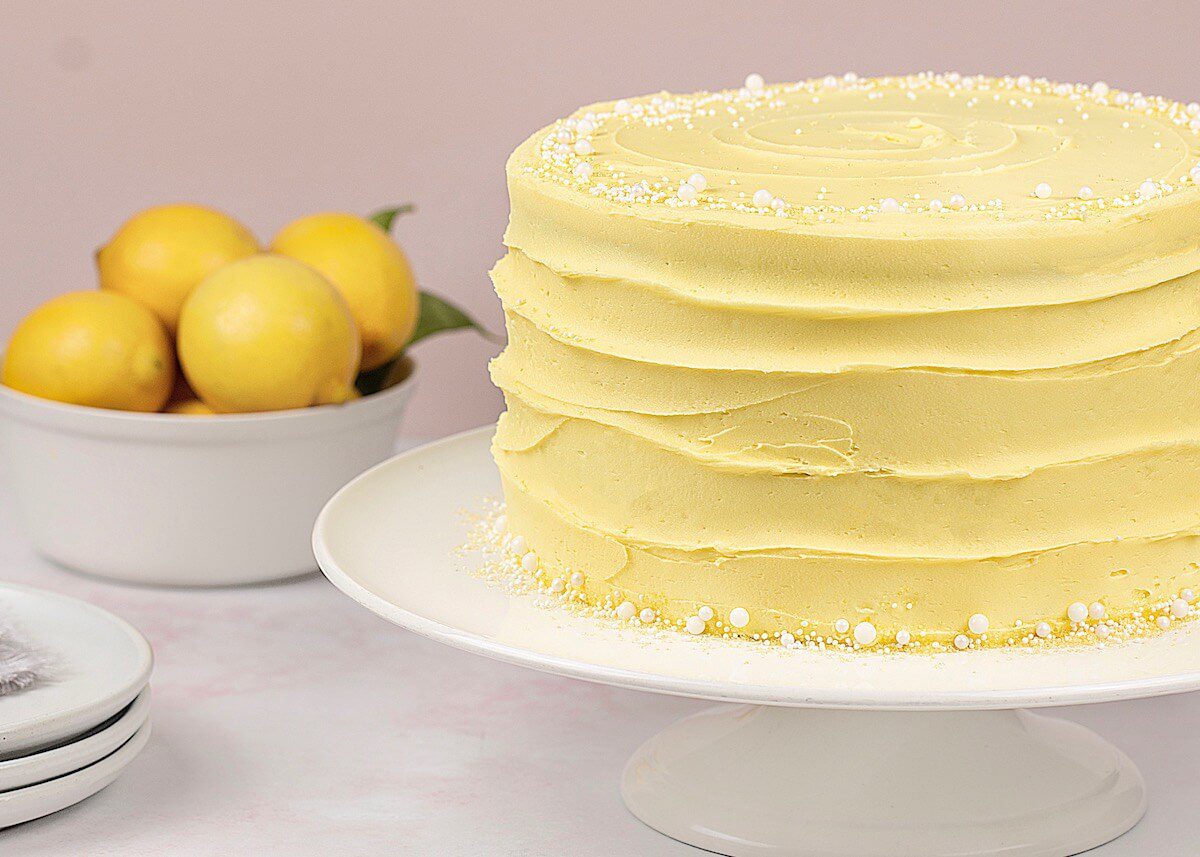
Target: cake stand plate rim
{"x": 364, "y": 543}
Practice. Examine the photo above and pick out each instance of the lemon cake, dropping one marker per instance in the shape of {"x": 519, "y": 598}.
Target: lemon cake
{"x": 890, "y": 362}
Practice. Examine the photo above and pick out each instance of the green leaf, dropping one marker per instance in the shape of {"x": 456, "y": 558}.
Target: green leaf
{"x": 383, "y": 218}
{"x": 381, "y": 377}
{"x": 438, "y": 315}
{"x": 372, "y": 380}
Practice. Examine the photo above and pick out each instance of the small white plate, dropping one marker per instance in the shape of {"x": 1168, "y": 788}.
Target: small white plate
{"x": 99, "y": 664}
{"x": 26, "y": 804}
{"x": 78, "y": 754}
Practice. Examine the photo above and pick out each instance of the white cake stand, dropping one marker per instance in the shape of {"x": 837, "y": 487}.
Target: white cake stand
{"x": 827, "y": 754}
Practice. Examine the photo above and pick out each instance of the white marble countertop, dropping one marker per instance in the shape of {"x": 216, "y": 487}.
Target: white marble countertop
{"x": 288, "y": 720}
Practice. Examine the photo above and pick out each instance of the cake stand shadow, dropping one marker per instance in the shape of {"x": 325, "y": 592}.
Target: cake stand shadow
{"x": 825, "y": 754}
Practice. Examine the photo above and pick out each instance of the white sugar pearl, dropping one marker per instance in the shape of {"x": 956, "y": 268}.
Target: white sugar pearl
{"x": 787, "y": 638}
{"x": 1147, "y": 189}
{"x": 583, "y": 147}
{"x": 841, "y": 626}
{"x": 1043, "y": 630}
{"x": 706, "y": 613}
{"x": 889, "y": 206}
{"x": 694, "y": 625}
{"x": 1102, "y": 631}
{"x": 1187, "y": 595}
{"x": 585, "y": 127}
{"x": 936, "y": 205}
{"x": 1194, "y": 172}
{"x": 903, "y": 638}
{"x": 754, "y": 82}
{"x": 762, "y": 198}
{"x": 961, "y": 641}
{"x": 1163, "y": 623}
{"x": 738, "y": 617}
{"x": 1122, "y": 98}
{"x": 686, "y": 192}
{"x": 849, "y": 77}
{"x": 957, "y": 201}
{"x": 978, "y": 624}
{"x": 1096, "y": 610}
{"x": 1085, "y": 192}
{"x": 583, "y": 170}
{"x": 778, "y": 204}
{"x": 1193, "y": 109}
{"x": 829, "y": 81}
{"x": 501, "y": 524}
{"x": 1042, "y": 191}
{"x": 621, "y": 107}
{"x": 1024, "y": 81}
{"x": 577, "y": 580}
{"x": 557, "y": 585}
{"x": 626, "y": 611}
{"x": 865, "y": 633}
{"x": 518, "y": 544}
{"x": 1100, "y": 88}
{"x": 1180, "y": 608}
{"x": 698, "y": 181}
{"x": 529, "y": 562}
{"x": 564, "y": 135}
{"x": 1140, "y": 103}
{"x": 1077, "y": 612}
{"x": 647, "y": 615}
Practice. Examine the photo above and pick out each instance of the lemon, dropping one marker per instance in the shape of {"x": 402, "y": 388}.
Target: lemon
{"x": 368, "y": 268}
{"x": 92, "y": 348}
{"x": 185, "y": 402}
{"x": 159, "y": 255}
{"x": 267, "y": 334}
{"x": 190, "y": 408}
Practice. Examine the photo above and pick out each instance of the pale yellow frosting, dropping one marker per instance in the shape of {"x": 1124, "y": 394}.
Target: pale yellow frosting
{"x": 907, "y": 350}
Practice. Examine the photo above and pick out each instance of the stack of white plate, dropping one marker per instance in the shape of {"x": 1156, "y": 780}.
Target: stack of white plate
{"x": 68, "y": 736}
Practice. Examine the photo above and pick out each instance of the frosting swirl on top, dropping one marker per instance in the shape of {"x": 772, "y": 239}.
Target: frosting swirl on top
{"x": 1007, "y": 148}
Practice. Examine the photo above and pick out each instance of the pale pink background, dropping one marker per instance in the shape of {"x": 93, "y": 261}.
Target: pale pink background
{"x": 274, "y": 110}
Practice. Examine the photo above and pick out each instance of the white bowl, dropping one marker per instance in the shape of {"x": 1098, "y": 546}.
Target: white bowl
{"x": 186, "y": 501}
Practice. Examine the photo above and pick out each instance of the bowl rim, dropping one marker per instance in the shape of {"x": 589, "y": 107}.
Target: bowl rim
{"x": 50, "y": 407}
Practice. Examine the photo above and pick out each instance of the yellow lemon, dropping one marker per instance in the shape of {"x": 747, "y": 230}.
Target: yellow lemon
{"x": 368, "y": 268}
{"x": 268, "y": 334}
{"x": 190, "y": 408}
{"x": 159, "y": 255}
{"x": 185, "y": 402}
{"x": 92, "y": 348}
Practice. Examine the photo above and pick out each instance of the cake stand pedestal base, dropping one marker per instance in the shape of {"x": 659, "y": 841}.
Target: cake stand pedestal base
{"x": 795, "y": 782}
